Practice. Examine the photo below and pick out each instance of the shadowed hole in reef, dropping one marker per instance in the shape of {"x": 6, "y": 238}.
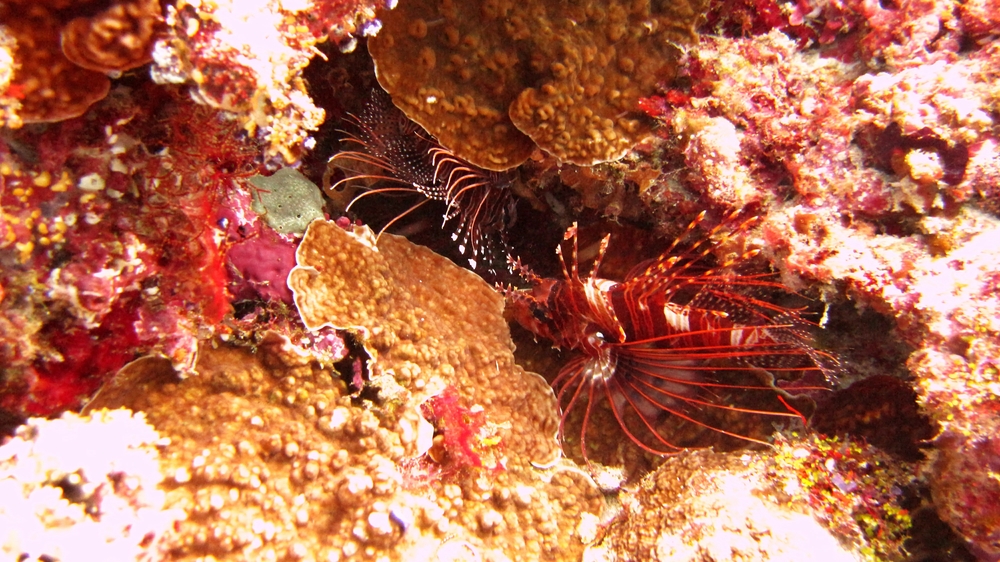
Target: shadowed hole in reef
{"x": 877, "y": 403}
{"x": 353, "y": 370}
{"x": 9, "y": 422}
{"x": 930, "y": 539}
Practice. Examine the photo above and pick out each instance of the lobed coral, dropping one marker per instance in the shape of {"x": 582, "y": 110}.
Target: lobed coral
{"x": 60, "y": 66}
{"x": 417, "y": 310}
{"x": 429, "y": 325}
{"x": 275, "y": 456}
{"x": 498, "y": 79}
{"x": 117, "y": 38}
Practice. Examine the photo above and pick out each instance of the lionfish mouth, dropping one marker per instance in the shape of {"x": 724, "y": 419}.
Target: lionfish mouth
{"x": 393, "y": 155}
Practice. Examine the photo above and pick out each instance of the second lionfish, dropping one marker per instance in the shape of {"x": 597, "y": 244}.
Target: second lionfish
{"x": 400, "y": 157}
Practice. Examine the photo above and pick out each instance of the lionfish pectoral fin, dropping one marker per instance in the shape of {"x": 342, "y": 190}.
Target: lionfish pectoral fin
{"x": 601, "y": 251}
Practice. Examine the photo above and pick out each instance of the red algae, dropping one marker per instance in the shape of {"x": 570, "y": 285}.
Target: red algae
{"x": 117, "y": 249}
{"x": 465, "y": 437}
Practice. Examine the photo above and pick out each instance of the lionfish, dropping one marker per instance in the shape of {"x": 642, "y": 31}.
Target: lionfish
{"x": 677, "y": 343}
{"x": 401, "y": 157}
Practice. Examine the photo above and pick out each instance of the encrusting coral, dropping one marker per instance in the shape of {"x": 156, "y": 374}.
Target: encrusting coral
{"x": 272, "y": 455}
{"x": 942, "y": 288}
{"x": 426, "y": 323}
{"x": 808, "y": 496}
{"x": 863, "y": 134}
{"x": 873, "y": 163}
{"x": 492, "y": 81}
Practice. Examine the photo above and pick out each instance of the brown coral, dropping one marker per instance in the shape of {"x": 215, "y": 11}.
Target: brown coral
{"x": 491, "y": 81}
{"x": 426, "y": 321}
{"x": 119, "y": 38}
{"x": 49, "y": 86}
{"x": 61, "y": 68}
{"x": 429, "y": 325}
{"x": 272, "y": 458}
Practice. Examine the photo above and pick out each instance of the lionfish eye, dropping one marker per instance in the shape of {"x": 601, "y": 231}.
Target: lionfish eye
{"x": 539, "y": 313}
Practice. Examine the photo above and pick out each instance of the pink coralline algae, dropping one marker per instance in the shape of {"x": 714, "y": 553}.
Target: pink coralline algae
{"x": 463, "y": 436}
{"x": 261, "y": 265}
{"x": 248, "y": 57}
{"x": 109, "y": 250}
{"x": 876, "y": 183}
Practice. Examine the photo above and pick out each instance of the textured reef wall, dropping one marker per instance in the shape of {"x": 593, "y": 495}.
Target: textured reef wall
{"x": 256, "y": 380}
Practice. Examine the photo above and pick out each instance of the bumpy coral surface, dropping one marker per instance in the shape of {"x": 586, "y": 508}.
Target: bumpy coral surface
{"x": 60, "y": 61}
{"x": 707, "y": 506}
{"x": 46, "y": 86}
{"x": 877, "y": 183}
{"x": 491, "y": 81}
{"x": 274, "y": 456}
{"x": 427, "y": 324}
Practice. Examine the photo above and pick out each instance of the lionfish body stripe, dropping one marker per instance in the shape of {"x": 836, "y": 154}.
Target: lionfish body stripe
{"x": 673, "y": 339}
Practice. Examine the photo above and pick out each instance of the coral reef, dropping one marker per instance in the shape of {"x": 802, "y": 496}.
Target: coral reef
{"x": 60, "y": 61}
{"x": 365, "y": 402}
{"x": 751, "y": 506}
{"x": 498, "y": 79}
{"x": 118, "y": 38}
{"x": 875, "y": 184}
{"x": 248, "y": 57}
{"x": 940, "y": 284}
{"x": 80, "y": 487}
{"x": 412, "y": 312}
{"x": 278, "y": 457}
{"x": 110, "y": 251}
